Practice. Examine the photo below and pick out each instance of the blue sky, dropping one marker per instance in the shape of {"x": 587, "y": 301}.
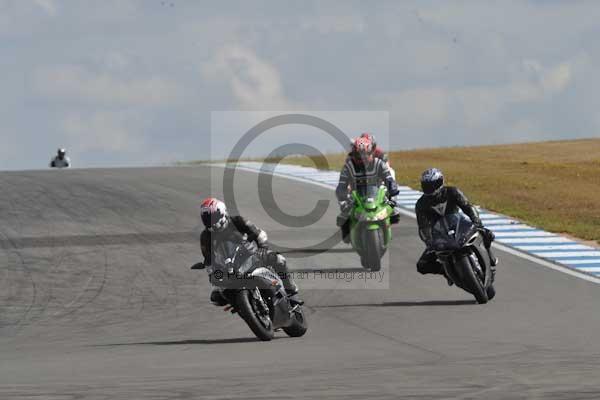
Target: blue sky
{"x": 133, "y": 82}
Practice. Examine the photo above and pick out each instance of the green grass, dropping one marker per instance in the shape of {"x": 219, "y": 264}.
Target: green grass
{"x": 551, "y": 185}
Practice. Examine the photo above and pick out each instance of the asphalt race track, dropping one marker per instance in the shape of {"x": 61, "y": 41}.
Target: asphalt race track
{"x": 97, "y": 301}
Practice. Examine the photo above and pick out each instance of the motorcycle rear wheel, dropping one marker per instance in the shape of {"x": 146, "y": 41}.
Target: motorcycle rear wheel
{"x": 299, "y": 326}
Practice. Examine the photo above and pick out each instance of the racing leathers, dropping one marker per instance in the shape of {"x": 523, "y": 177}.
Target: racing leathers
{"x": 356, "y": 175}
{"x": 240, "y": 229}
{"x": 58, "y": 162}
{"x": 378, "y": 153}
{"x": 429, "y": 208}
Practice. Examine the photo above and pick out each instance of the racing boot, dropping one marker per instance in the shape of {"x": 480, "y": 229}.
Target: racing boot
{"x": 395, "y": 217}
{"x": 488, "y": 238}
{"x": 199, "y": 265}
{"x": 493, "y": 262}
{"x": 217, "y": 298}
{"x": 280, "y": 266}
{"x": 493, "y": 259}
{"x": 429, "y": 264}
{"x": 345, "y": 230}
{"x": 343, "y": 220}
{"x": 294, "y": 299}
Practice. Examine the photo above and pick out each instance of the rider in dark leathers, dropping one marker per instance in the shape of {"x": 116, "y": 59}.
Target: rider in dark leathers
{"x": 362, "y": 168}
{"x": 221, "y": 226}
{"x": 439, "y": 200}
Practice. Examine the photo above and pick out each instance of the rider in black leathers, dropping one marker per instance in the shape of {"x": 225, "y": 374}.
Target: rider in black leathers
{"x": 439, "y": 200}
{"x": 221, "y": 226}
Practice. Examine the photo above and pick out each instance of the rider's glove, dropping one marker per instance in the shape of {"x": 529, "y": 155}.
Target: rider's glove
{"x": 261, "y": 239}
{"x": 489, "y": 234}
{"x": 392, "y": 202}
{"x": 345, "y": 205}
{"x": 263, "y": 254}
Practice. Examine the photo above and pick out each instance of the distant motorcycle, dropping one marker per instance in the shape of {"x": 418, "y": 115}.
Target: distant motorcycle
{"x": 255, "y": 292}
{"x": 458, "y": 244}
{"x": 370, "y": 225}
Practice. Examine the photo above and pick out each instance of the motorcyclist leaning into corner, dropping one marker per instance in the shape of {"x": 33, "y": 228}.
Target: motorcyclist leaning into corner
{"x": 219, "y": 226}
{"x": 60, "y": 160}
{"x": 439, "y": 200}
{"x": 362, "y": 167}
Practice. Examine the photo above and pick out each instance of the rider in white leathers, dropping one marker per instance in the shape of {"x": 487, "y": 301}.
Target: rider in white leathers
{"x": 60, "y": 160}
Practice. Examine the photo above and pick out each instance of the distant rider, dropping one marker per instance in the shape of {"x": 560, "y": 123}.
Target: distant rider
{"x": 439, "y": 200}
{"x": 361, "y": 169}
{"x": 220, "y": 226}
{"x": 60, "y": 160}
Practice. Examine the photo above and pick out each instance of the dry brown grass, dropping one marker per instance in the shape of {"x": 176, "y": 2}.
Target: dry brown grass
{"x": 552, "y": 185}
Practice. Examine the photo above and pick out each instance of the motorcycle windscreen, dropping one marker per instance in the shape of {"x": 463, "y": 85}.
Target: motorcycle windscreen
{"x": 368, "y": 195}
{"x": 367, "y": 191}
{"x": 450, "y": 231}
{"x": 229, "y": 252}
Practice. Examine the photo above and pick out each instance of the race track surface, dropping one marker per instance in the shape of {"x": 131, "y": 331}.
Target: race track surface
{"x": 97, "y": 301}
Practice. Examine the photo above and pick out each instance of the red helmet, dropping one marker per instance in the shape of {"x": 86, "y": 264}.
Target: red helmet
{"x": 362, "y": 150}
{"x": 214, "y": 215}
{"x": 369, "y": 136}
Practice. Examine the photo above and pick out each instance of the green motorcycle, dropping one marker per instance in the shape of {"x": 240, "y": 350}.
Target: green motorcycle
{"x": 371, "y": 225}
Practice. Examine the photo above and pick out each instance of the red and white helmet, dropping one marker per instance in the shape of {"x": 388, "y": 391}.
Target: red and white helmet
{"x": 369, "y": 136}
{"x": 362, "y": 150}
{"x": 214, "y": 215}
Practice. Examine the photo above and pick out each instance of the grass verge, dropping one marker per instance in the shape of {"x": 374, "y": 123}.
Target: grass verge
{"x": 552, "y": 185}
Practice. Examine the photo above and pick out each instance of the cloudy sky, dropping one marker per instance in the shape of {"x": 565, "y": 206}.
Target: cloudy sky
{"x": 133, "y": 82}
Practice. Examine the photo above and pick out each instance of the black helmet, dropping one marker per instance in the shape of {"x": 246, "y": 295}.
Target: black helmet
{"x": 61, "y": 152}
{"x": 432, "y": 180}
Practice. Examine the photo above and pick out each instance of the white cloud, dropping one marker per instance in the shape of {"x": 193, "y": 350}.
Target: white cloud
{"x": 255, "y": 84}
{"x": 557, "y": 79}
{"x": 421, "y": 107}
{"x": 49, "y": 6}
{"x": 448, "y": 71}
{"x": 334, "y": 24}
{"x": 74, "y": 82}
{"x": 116, "y": 61}
{"x": 484, "y": 103}
{"x": 104, "y": 131}
{"x": 480, "y": 107}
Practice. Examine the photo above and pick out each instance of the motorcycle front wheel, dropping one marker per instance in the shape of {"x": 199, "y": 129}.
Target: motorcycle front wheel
{"x": 251, "y": 311}
{"x": 470, "y": 279}
{"x": 373, "y": 245}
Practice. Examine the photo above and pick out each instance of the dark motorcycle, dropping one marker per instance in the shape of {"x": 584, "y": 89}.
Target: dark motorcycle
{"x": 255, "y": 292}
{"x": 458, "y": 244}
